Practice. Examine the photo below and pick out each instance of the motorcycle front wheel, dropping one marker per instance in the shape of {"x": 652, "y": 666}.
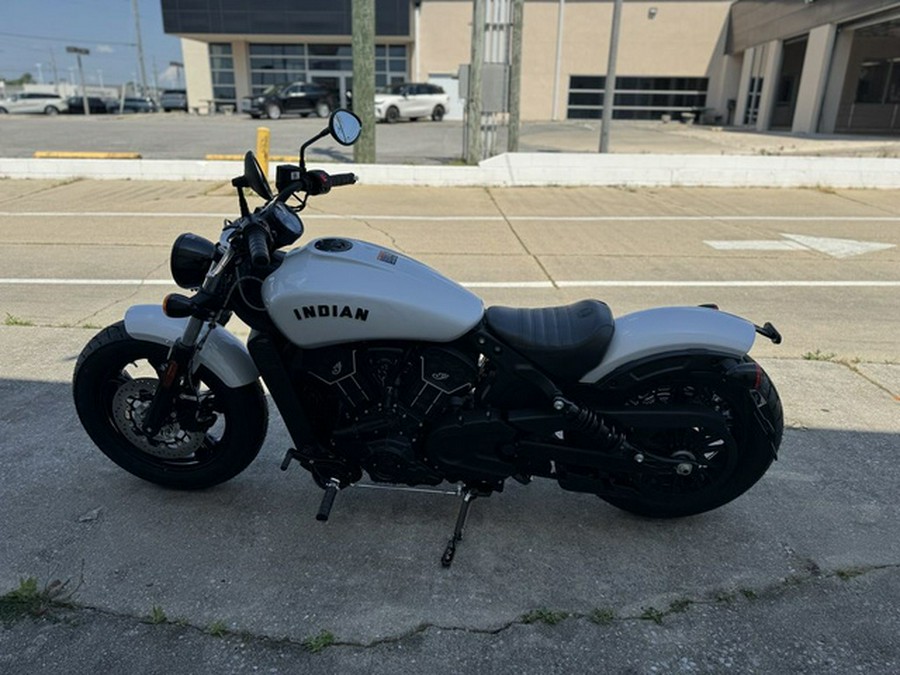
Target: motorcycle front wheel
{"x": 213, "y": 433}
{"x": 718, "y": 462}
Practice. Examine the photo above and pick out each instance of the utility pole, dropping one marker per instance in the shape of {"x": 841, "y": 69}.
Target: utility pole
{"x": 609, "y": 89}
{"x": 140, "y": 46}
{"x": 55, "y": 74}
{"x": 473, "y": 96}
{"x": 78, "y": 51}
{"x": 515, "y": 77}
{"x": 363, "y": 90}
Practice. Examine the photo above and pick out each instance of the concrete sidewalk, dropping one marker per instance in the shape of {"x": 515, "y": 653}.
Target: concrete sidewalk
{"x": 798, "y": 575}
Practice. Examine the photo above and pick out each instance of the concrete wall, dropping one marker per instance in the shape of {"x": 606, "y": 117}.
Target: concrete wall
{"x": 684, "y": 39}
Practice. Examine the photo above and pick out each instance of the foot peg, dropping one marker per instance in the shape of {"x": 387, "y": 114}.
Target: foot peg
{"x": 331, "y": 490}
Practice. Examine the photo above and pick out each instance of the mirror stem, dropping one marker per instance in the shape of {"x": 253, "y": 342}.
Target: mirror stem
{"x": 303, "y": 147}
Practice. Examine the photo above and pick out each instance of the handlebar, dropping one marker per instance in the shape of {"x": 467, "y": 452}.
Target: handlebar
{"x": 339, "y": 179}
{"x": 258, "y": 245}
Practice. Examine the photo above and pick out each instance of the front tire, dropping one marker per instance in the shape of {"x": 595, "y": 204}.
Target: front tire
{"x": 323, "y": 109}
{"x": 732, "y": 460}
{"x": 438, "y": 113}
{"x": 212, "y": 435}
{"x": 392, "y": 114}
{"x": 273, "y": 111}
{"x": 51, "y": 110}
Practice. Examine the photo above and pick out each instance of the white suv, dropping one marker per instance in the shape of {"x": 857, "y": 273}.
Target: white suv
{"x": 32, "y": 102}
{"x": 411, "y": 101}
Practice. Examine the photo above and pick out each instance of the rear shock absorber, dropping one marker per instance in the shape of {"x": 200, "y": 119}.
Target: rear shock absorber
{"x": 586, "y": 421}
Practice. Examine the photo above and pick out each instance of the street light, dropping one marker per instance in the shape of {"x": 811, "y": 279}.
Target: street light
{"x": 78, "y": 51}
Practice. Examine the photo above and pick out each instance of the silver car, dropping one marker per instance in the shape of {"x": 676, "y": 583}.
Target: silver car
{"x": 32, "y": 102}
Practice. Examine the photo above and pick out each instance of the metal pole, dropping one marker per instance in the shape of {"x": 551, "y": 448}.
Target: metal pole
{"x": 515, "y": 77}
{"x": 140, "y": 47}
{"x": 560, "y": 16}
{"x": 84, "y": 101}
{"x": 609, "y": 89}
{"x": 473, "y": 96}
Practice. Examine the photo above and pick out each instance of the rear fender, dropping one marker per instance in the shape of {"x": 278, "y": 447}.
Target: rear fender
{"x": 222, "y": 353}
{"x": 673, "y": 330}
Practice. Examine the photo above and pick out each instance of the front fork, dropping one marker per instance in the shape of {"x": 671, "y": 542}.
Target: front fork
{"x": 182, "y": 353}
{"x": 177, "y": 366}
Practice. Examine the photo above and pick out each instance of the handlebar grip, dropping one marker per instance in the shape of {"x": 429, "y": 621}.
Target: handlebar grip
{"x": 258, "y": 245}
{"x": 338, "y": 179}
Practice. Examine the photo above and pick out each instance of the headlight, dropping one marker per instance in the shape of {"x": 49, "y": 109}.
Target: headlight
{"x": 190, "y": 260}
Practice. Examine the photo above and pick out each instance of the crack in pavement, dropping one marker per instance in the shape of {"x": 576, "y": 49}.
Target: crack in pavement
{"x": 126, "y": 297}
{"x": 811, "y": 574}
{"x": 518, "y": 238}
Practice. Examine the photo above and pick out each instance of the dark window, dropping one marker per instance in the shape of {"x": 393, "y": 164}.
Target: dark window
{"x": 873, "y": 79}
{"x": 637, "y": 97}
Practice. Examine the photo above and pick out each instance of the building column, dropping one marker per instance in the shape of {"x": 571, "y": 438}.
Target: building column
{"x": 814, "y": 79}
{"x": 834, "y": 89}
{"x": 197, "y": 74}
{"x": 743, "y": 95}
{"x": 770, "y": 85}
{"x": 240, "y": 57}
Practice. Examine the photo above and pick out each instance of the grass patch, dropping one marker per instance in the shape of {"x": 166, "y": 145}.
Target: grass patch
{"x": 29, "y": 599}
{"x": 679, "y": 606}
{"x": 749, "y": 594}
{"x": 653, "y": 614}
{"x": 849, "y": 573}
{"x": 157, "y": 615}
{"x": 819, "y": 355}
{"x": 13, "y": 320}
{"x": 317, "y": 643}
{"x": 602, "y": 616}
{"x": 217, "y": 629}
{"x": 547, "y": 616}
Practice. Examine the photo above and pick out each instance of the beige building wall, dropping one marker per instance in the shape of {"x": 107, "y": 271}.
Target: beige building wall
{"x": 683, "y": 39}
{"x": 198, "y": 77}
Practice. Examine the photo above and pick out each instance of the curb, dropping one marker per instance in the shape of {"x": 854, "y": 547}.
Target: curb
{"x": 522, "y": 170}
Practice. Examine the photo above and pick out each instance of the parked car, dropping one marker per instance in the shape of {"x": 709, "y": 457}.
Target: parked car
{"x": 33, "y": 102}
{"x": 411, "y": 101}
{"x": 96, "y": 105}
{"x": 297, "y": 98}
{"x": 173, "y": 99}
{"x": 137, "y": 105}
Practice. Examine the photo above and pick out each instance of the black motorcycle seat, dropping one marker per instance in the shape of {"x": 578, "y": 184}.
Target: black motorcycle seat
{"x": 565, "y": 341}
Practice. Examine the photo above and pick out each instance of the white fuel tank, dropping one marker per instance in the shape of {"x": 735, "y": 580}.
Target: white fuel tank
{"x": 344, "y": 290}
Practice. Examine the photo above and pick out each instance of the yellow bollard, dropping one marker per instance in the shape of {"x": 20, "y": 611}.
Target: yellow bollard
{"x": 262, "y": 148}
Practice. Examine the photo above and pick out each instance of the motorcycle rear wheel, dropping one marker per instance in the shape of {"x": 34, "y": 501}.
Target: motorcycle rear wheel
{"x": 115, "y": 378}
{"x": 733, "y": 461}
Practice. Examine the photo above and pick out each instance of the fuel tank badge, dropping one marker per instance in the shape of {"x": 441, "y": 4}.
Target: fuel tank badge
{"x": 331, "y": 311}
{"x": 388, "y": 258}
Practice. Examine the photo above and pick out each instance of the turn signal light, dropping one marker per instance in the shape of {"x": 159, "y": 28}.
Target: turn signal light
{"x": 177, "y": 306}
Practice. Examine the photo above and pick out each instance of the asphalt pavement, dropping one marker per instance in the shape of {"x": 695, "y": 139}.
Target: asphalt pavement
{"x": 801, "y": 574}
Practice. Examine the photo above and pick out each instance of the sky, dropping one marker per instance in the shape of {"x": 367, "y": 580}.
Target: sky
{"x": 32, "y": 30}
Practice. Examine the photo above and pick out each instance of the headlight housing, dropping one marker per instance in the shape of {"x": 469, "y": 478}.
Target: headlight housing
{"x": 190, "y": 260}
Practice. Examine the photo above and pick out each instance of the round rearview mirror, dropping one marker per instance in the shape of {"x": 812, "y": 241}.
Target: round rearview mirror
{"x": 345, "y": 127}
{"x": 255, "y": 177}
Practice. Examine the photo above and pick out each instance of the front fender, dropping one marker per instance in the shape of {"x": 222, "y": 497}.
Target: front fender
{"x": 222, "y": 353}
{"x": 667, "y": 330}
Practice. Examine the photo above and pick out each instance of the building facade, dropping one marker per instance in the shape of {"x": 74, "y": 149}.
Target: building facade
{"x": 802, "y": 65}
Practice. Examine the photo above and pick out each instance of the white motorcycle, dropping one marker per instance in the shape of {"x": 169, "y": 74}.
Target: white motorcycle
{"x": 380, "y": 365}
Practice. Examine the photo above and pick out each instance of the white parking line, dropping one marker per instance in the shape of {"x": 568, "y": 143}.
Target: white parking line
{"x": 463, "y": 218}
{"x": 594, "y": 283}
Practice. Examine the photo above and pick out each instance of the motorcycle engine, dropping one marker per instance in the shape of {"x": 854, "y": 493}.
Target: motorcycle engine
{"x": 374, "y": 404}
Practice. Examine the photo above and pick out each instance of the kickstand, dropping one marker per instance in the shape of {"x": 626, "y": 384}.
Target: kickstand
{"x": 467, "y": 498}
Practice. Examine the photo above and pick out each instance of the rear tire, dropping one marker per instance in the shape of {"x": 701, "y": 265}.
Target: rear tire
{"x": 755, "y": 422}
{"x": 111, "y": 396}
{"x": 51, "y": 110}
{"x": 438, "y": 113}
{"x": 323, "y": 109}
